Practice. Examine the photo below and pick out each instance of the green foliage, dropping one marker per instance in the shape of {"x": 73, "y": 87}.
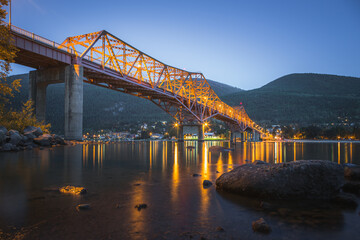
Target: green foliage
{"x": 19, "y": 120}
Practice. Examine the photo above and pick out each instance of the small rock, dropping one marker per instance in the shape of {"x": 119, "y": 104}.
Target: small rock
{"x": 217, "y": 172}
{"x": 346, "y": 200}
{"x": 84, "y": 206}
{"x": 220, "y": 229}
{"x": 141, "y": 206}
{"x": 207, "y": 183}
{"x": 196, "y": 175}
{"x": 261, "y": 226}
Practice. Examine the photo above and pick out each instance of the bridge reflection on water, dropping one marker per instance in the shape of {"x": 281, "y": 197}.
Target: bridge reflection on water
{"x": 120, "y": 175}
{"x": 272, "y": 152}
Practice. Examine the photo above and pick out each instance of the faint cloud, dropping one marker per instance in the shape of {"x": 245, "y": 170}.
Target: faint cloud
{"x": 35, "y": 5}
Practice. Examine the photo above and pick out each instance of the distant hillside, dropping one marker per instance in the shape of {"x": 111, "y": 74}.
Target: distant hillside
{"x": 302, "y": 98}
{"x": 103, "y": 108}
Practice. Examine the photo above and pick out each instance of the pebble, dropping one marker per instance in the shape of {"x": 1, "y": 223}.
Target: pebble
{"x": 261, "y": 226}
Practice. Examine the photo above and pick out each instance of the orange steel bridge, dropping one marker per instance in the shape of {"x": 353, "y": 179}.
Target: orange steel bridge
{"x": 114, "y": 64}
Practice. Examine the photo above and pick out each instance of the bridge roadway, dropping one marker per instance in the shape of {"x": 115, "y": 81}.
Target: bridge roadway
{"x": 102, "y": 59}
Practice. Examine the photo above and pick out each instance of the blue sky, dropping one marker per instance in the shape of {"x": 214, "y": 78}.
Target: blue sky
{"x": 241, "y": 43}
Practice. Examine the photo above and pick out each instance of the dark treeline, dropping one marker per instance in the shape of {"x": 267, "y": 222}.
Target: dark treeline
{"x": 317, "y": 132}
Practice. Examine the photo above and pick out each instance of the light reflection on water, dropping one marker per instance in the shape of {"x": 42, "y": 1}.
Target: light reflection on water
{"x": 177, "y": 201}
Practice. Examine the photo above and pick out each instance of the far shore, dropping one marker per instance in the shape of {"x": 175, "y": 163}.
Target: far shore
{"x": 320, "y": 141}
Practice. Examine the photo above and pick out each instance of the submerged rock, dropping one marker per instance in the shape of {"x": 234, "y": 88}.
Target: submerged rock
{"x": 141, "y": 206}
{"x": 84, "y": 206}
{"x": 72, "y": 190}
{"x": 196, "y": 175}
{"x": 219, "y": 149}
{"x": 261, "y": 226}
{"x": 207, "y": 183}
{"x": 305, "y": 179}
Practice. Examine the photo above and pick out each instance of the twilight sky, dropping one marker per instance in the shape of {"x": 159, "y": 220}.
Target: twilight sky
{"x": 241, "y": 43}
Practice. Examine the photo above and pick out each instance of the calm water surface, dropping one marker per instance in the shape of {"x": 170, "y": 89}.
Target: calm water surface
{"x": 119, "y": 176}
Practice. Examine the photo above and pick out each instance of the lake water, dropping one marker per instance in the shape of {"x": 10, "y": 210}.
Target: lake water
{"x": 119, "y": 176}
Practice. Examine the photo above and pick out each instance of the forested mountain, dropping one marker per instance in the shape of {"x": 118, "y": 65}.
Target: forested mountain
{"x": 295, "y": 98}
{"x": 103, "y": 108}
{"x": 303, "y": 99}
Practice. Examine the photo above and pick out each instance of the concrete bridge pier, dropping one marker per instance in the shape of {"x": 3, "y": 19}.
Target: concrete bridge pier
{"x": 72, "y": 76}
{"x": 37, "y": 93}
{"x": 180, "y": 133}
{"x": 200, "y": 133}
{"x": 73, "y": 102}
{"x": 190, "y": 128}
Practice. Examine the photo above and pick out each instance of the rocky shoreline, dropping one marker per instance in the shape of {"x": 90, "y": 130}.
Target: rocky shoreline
{"x": 32, "y": 137}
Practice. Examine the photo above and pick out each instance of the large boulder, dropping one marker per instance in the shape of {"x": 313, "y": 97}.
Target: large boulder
{"x": 305, "y": 179}
{"x": 43, "y": 140}
{"x": 33, "y": 130}
{"x": 15, "y": 137}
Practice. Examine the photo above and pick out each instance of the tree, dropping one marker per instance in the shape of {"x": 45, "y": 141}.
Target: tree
{"x": 7, "y": 55}
{"x": 12, "y": 119}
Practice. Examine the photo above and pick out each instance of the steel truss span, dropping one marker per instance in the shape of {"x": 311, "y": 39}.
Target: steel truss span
{"x": 112, "y": 63}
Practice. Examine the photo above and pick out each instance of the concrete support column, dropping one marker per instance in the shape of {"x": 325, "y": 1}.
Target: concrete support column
{"x": 201, "y": 133}
{"x": 180, "y": 133}
{"x": 37, "y": 93}
{"x": 231, "y": 136}
{"x": 73, "y": 102}
{"x": 253, "y": 136}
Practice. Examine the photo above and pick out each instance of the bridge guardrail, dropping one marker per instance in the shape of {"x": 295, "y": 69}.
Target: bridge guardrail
{"x": 43, "y": 40}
